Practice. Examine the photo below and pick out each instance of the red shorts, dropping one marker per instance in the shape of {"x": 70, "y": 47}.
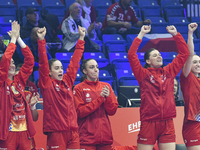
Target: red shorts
{"x": 191, "y": 133}
{"x": 151, "y": 131}
{"x": 96, "y": 147}
{"x": 16, "y": 140}
{"x": 63, "y": 140}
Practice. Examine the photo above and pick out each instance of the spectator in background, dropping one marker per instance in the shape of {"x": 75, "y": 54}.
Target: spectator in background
{"x": 70, "y": 29}
{"x": 33, "y": 20}
{"x": 120, "y": 18}
{"x": 88, "y": 13}
{"x": 31, "y": 41}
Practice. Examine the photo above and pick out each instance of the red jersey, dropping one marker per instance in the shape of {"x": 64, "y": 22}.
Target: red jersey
{"x": 93, "y": 110}
{"x": 190, "y": 87}
{"x": 8, "y": 93}
{"x": 58, "y": 102}
{"x": 116, "y": 13}
{"x": 156, "y": 84}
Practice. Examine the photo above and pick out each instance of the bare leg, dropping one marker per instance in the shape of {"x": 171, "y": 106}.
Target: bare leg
{"x": 144, "y": 146}
{"x": 167, "y": 146}
{"x": 197, "y": 147}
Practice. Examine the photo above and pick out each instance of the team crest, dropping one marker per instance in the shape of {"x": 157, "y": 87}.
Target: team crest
{"x": 14, "y": 90}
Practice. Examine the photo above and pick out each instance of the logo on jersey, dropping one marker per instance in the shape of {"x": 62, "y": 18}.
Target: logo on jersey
{"x": 87, "y": 95}
{"x": 14, "y": 90}
{"x": 74, "y": 92}
{"x": 88, "y": 98}
{"x": 8, "y": 90}
{"x": 57, "y": 87}
{"x": 129, "y": 17}
{"x": 87, "y": 89}
{"x": 151, "y": 79}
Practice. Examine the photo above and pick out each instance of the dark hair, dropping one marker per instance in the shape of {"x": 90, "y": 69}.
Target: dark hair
{"x": 51, "y": 61}
{"x": 83, "y": 66}
{"x": 146, "y": 56}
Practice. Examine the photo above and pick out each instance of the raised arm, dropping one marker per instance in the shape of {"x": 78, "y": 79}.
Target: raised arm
{"x": 43, "y": 60}
{"x": 187, "y": 67}
{"x": 27, "y": 67}
{"x": 138, "y": 70}
{"x": 83, "y": 109}
{"x": 6, "y": 58}
{"x": 73, "y": 67}
{"x": 183, "y": 53}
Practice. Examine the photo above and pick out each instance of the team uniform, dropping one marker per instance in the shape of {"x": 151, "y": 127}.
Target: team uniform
{"x": 93, "y": 110}
{"x": 16, "y": 126}
{"x": 157, "y": 94}
{"x": 60, "y": 118}
{"x": 190, "y": 87}
{"x": 116, "y": 13}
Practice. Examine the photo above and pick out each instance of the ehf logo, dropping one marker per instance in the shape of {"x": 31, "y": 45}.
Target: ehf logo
{"x": 151, "y": 79}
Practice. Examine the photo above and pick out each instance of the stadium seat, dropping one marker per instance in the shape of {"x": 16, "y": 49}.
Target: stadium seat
{"x": 169, "y": 3}
{"x": 99, "y": 57}
{"x": 7, "y": 8}
{"x": 168, "y": 57}
{"x": 125, "y": 78}
{"x": 104, "y": 76}
{"x": 114, "y": 43}
{"x": 172, "y": 12}
{"x": 101, "y": 7}
{"x": 147, "y": 3}
{"x": 150, "y": 12}
{"x": 36, "y": 76}
{"x": 53, "y": 7}
{"x": 177, "y": 19}
{"x": 64, "y": 56}
{"x": 159, "y": 28}
{"x": 78, "y": 77}
{"x": 117, "y": 55}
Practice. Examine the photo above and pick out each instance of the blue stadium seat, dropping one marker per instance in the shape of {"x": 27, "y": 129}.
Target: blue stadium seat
{"x": 7, "y": 19}
{"x": 114, "y": 43}
{"x": 147, "y": 3}
{"x": 78, "y": 77}
{"x": 157, "y": 20}
{"x": 182, "y": 28}
{"x": 151, "y": 12}
{"x": 7, "y": 8}
{"x": 53, "y": 7}
{"x": 177, "y": 19}
{"x": 104, "y": 76}
{"x": 99, "y": 57}
{"x": 117, "y": 55}
{"x": 126, "y": 78}
{"x": 4, "y": 28}
{"x": 159, "y": 28}
{"x": 101, "y": 7}
{"x": 36, "y": 76}
{"x": 64, "y": 58}
{"x": 168, "y": 57}
{"x": 172, "y": 12}
{"x": 169, "y": 3}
